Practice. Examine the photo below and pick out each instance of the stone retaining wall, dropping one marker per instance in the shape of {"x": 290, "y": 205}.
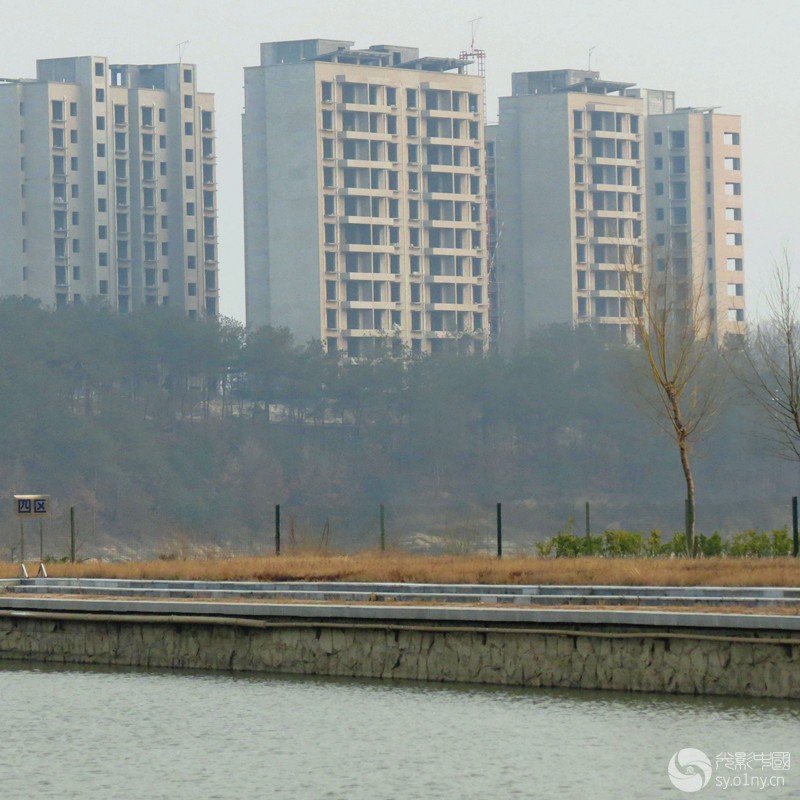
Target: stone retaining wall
{"x": 685, "y": 661}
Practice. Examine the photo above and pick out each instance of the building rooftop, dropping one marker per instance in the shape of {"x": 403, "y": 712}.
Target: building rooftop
{"x": 339, "y": 51}
{"x": 596, "y": 86}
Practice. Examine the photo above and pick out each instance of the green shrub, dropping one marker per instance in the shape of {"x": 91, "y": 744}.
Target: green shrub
{"x": 630, "y": 544}
{"x": 709, "y": 546}
{"x": 622, "y": 543}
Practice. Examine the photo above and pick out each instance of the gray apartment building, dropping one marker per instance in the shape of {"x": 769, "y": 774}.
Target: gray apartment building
{"x": 571, "y": 203}
{"x": 108, "y": 185}
{"x": 365, "y": 198}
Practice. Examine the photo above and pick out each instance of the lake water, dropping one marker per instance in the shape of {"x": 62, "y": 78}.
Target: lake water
{"x": 119, "y": 734}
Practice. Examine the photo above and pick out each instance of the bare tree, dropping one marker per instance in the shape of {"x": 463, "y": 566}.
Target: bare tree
{"x": 675, "y": 336}
{"x": 772, "y": 358}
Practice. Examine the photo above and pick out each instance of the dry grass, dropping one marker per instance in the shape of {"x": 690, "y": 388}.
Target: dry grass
{"x": 407, "y": 568}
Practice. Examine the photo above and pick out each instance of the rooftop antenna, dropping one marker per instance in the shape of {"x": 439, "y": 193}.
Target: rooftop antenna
{"x": 181, "y": 47}
{"x": 591, "y": 50}
{"x": 474, "y": 53}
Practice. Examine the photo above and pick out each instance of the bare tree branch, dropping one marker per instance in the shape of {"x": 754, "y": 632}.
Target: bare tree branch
{"x": 675, "y": 335}
{"x": 772, "y": 362}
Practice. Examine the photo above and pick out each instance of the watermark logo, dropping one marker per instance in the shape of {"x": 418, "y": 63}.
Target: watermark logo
{"x": 689, "y": 770}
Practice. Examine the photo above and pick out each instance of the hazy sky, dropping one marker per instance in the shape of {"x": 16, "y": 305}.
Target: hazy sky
{"x": 735, "y": 54}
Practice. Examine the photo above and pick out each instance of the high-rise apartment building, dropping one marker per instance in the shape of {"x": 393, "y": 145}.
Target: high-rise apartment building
{"x": 365, "y": 197}
{"x": 694, "y": 200}
{"x": 108, "y": 185}
{"x": 598, "y": 182}
{"x": 570, "y": 203}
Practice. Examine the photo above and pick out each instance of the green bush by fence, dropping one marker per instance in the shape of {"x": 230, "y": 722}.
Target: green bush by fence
{"x": 617, "y": 544}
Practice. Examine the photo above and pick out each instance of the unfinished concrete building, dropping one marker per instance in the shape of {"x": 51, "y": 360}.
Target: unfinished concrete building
{"x": 694, "y": 197}
{"x": 365, "y": 198}
{"x": 571, "y": 204}
{"x": 109, "y": 186}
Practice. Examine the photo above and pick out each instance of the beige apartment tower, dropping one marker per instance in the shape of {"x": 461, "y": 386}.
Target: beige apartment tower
{"x": 109, "y": 186}
{"x": 365, "y": 198}
{"x": 570, "y": 204}
{"x": 694, "y": 163}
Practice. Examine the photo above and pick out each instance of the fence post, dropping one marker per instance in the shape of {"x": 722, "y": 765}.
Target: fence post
{"x": 277, "y": 530}
{"x": 588, "y": 526}
{"x": 499, "y": 530}
{"x": 72, "y": 534}
{"x": 795, "y": 539}
{"x": 383, "y": 528}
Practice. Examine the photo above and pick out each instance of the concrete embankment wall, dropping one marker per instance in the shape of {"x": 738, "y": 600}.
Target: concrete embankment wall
{"x": 676, "y": 659}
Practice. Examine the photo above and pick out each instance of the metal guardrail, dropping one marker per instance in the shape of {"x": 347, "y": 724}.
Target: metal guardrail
{"x": 352, "y": 592}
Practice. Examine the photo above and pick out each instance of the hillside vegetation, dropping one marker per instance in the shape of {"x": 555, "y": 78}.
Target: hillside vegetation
{"x": 166, "y": 433}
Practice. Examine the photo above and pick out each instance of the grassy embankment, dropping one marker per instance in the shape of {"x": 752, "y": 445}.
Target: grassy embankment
{"x": 404, "y": 567}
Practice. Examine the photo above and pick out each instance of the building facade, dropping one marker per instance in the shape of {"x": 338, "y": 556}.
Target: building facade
{"x": 109, "y": 186}
{"x": 571, "y": 204}
{"x": 365, "y": 198}
{"x": 694, "y": 164}
{"x": 598, "y": 182}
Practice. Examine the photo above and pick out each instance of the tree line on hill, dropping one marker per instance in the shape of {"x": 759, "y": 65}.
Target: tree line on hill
{"x": 156, "y": 428}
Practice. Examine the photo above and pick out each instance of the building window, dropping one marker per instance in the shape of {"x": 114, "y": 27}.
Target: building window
{"x": 190, "y": 234}
{"x": 677, "y": 139}
{"x": 102, "y": 259}
{"x": 57, "y": 110}
{"x": 73, "y": 109}
{"x": 192, "y": 289}
{"x": 733, "y": 189}
{"x": 188, "y": 155}
{"x": 679, "y": 215}
{"x": 187, "y": 76}
{"x": 678, "y": 164}
{"x": 187, "y": 101}
{"x": 162, "y": 114}
{"x": 100, "y": 123}
{"x": 100, "y": 95}
{"x": 730, "y": 138}
{"x": 577, "y": 120}
{"x": 659, "y": 163}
